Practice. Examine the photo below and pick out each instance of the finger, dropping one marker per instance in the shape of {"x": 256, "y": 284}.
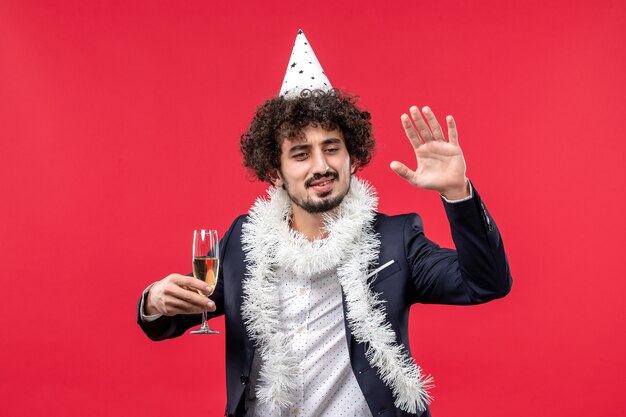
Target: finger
{"x": 402, "y": 170}
{"x": 452, "y": 132}
{"x": 185, "y": 281}
{"x": 176, "y": 306}
{"x": 410, "y": 131}
{"x": 422, "y": 126}
{"x": 189, "y": 308}
{"x": 188, "y": 296}
{"x": 433, "y": 123}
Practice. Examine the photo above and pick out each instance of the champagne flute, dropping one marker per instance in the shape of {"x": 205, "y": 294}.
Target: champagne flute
{"x": 206, "y": 266}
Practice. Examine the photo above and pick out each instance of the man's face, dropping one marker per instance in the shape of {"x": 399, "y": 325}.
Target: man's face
{"x": 315, "y": 171}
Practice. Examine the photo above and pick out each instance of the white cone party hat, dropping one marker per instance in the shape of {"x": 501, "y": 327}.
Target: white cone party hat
{"x": 304, "y": 70}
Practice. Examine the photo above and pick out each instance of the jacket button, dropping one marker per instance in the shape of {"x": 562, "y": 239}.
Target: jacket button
{"x": 243, "y": 379}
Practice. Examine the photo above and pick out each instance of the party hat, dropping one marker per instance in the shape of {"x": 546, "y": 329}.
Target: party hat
{"x": 304, "y": 70}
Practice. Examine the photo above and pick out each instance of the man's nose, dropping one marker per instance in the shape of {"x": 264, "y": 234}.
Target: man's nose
{"x": 320, "y": 164}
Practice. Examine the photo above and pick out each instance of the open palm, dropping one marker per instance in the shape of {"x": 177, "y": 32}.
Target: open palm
{"x": 440, "y": 163}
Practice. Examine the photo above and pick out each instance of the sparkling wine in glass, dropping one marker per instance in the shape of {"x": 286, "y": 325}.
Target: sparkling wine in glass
{"x": 206, "y": 266}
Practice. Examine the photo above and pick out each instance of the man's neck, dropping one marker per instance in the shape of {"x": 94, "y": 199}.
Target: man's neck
{"x": 310, "y": 225}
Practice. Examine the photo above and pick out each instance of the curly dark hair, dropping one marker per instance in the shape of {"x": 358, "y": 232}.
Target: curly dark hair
{"x": 280, "y": 118}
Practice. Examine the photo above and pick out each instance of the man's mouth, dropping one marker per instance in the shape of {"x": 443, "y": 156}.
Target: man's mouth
{"x": 322, "y": 184}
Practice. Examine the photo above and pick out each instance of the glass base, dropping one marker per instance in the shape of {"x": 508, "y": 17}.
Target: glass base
{"x": 206, "y": 330}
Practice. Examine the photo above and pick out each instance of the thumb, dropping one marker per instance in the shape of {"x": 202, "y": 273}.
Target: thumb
{"x": 402, "y": 170}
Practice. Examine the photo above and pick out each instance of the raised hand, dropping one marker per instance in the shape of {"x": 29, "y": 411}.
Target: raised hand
{"x": 440, "y": 163}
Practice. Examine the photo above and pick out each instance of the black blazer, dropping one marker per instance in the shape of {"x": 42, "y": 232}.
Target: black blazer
{"x": 422, "y": 272}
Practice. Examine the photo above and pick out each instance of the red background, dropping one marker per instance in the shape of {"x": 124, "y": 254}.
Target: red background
{"x": 119, "y": 126}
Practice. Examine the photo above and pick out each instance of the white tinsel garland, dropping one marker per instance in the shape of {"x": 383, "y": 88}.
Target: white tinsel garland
{"x": 352, "y": 247}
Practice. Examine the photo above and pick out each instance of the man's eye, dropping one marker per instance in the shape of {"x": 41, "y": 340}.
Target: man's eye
{"x": 331, "y": 150}
{"x": 300, "y": 155}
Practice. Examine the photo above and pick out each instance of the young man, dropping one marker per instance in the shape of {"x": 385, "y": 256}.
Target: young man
{"x": 315, "y": 285}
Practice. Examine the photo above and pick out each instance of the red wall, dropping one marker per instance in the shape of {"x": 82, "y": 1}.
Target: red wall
{"x": 119, "y": 126}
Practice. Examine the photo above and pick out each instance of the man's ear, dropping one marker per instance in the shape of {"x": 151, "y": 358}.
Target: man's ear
{"x": 354, "y": 165}
{"x": 276, "y": 178}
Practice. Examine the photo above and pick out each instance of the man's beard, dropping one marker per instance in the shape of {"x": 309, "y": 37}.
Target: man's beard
{"x": 321, "y": 206}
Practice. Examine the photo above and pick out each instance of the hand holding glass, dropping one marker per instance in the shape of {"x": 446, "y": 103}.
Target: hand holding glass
{"x": 206, "y": 266}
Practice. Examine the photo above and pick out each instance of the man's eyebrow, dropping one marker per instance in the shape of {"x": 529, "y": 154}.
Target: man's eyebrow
{"x": 303, "y": 146}
{"x": 299, "y": 147}
{"x": 331, "y": 140}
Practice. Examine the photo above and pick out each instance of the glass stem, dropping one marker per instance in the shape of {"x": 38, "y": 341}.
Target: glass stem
{"x": 204, "y": 322}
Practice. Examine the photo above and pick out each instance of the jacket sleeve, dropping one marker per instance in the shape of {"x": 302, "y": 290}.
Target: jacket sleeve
{"x": 167, "y": 327}
{"x": 476, "y": 272}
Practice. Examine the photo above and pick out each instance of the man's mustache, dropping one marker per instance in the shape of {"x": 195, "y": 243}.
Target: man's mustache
{"x": 331, "y": 174}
